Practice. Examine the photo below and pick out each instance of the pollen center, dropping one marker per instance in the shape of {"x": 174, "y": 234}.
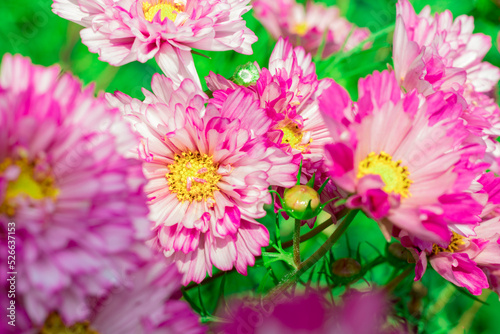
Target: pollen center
{"x": 54, "y": 325}
{"x": 300, "y": 28}
{"x": 32, "y": 181}
{"x": 456, "y": 241}
{"x": 395, "y": 176}
{"x": 193, "y": 176}
{"x": 168, "y": 10}
{"x": 293, "y": 136}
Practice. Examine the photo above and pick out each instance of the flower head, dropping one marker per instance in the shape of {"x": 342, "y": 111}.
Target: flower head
{"x": 208, "y": 178}
{"x": 67, "y": 189}
{"x": 307, "y": 25}
{"x": 396, "y": 162}
{"x": 125, "y": 31}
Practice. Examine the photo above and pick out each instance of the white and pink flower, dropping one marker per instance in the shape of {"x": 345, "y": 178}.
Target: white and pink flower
{"x": 208, "y": 178}
{"x": 121, "y": 31}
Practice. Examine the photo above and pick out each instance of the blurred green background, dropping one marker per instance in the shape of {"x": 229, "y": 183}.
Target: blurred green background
{"x": 31, "y": 29}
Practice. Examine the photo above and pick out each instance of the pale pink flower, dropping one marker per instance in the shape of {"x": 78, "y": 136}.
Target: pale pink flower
{"x": 306, "y": 26}
{"x": 400, "y": 167}
{"x": 76, "y": 200}
{"x": 121, "y": 31}
{"x": 208, "y": 177}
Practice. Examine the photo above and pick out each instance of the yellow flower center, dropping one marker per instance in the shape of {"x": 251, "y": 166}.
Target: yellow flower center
{"x": 55, "y": 325}
{"x": 456, "y": 241}
{"x": 300, "y": 28}
{"x": 167, "y": 8}
{"x": 395, "y": 176}
{"x": 292, "y": 135}
{"x": 193, "y": 177}
{"x": 30, "y": 183}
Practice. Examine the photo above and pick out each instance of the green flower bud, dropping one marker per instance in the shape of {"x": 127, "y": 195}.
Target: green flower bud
{"x": 301, "y": 202}
{"x": 246, "y": 75}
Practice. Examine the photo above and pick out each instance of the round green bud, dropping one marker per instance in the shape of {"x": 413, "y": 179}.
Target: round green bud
{"x": 246, "y": 75}
{"x": 301, "y": 201}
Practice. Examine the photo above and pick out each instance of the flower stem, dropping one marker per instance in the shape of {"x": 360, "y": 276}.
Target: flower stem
{"x": 293, "y": 276}
{"x": 398, "y": 279}
{"x": 296, "y": 244}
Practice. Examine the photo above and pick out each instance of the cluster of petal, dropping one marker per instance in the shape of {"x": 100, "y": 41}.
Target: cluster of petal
{"x": 81, "y": 238}
{"x": 307, "y": 26}
{"x": 439, "y": 164}
{"x": 309, "y": 313}
{"x": 144, "y": 303}
{"x": 119, "y": 31}
{"x": 221, "y": 228}
{"x": 437, "y": 53}
{"x": 472, "y": 260}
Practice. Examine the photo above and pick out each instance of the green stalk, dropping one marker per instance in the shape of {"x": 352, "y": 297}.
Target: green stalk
{"x": 293, "y": 276}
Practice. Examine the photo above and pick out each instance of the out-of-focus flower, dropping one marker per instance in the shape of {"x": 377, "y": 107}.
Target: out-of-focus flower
{"x": 73, "y": 200}
{"x": 122, "y": 31}
{"x": 142, "y": 304}
{"x": 437, "y": 53}
{"x": 308, "y": 313}
{"x": 307, "y": 26}
{"x": 208, "y": 177}
{"x": 401, "y": 168}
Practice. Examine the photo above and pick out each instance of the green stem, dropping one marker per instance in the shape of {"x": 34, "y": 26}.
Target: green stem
{"x": 296, "y": 243}
{"x": 398, "y": 279}
{"x": 293, "y": 276}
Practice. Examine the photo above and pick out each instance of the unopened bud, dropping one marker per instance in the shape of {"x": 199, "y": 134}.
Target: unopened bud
{"x": 398, "y": 253}
{"x": 246, "y": 75}
{"x": 301, "y": 200}
{"x": 346, "y": 267}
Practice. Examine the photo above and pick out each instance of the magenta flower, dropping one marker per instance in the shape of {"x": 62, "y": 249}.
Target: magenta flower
{"x": 309, "y": 313}
{"x": 402, "y": 169}
{"x": 441, "y": 54}
{"x": 77, "y": 202}
{"x": 208, "y": 177}
{"x": 472, "y": 257}
{"x": 307, "y": 26}
{"x": 129, "y": 30}
{"x": 144, "y": 303}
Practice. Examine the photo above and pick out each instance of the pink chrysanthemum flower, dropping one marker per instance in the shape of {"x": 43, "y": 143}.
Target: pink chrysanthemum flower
{"x": 401, "y": 168}
{"x": 128, "y": 30}
{"x": 307, "y": 26}
{"x": 76, "y": 201}
{"x": 472, "y": 258}
{"x": 288, "y": 91}
{"x": 208, "y": 178}
{"x": 144, "y": 303}
{"x": 441, "y": 54}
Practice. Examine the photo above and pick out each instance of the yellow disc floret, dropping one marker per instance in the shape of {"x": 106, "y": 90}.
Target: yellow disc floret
{"x": 29, "y": 183}
{"x": 292, "y": 135}
{"x": 168, "y": 9}
{"x": 54, "y": 325}
{"x": 193, "y": 176}
{"x": 395, "y": 176}
{"x": 300, "y": 28}
{"x": 456, "y": 241}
